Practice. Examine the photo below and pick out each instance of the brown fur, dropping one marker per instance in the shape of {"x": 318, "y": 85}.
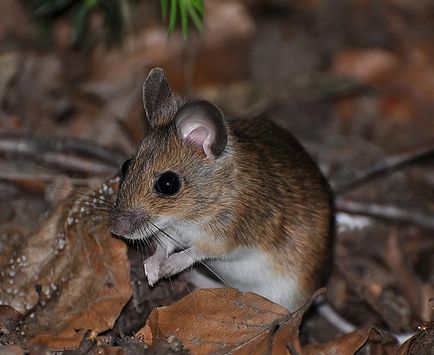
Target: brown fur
{"x": 262, "y": 191}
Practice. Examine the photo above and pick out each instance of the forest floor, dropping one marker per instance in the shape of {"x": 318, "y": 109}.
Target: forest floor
{"x": 352, "y": 80}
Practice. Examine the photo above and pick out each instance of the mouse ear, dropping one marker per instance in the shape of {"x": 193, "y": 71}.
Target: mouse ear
{"x": 202, "y": 124}
{"x": 158, "y": 100}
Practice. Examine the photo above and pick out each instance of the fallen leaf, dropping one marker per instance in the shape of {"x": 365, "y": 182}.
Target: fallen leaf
{"x": 70, "y": 276}
{"x": 225, "y": 320}
{"x": 420, "y": 343}
{"x": 352, "y": 342}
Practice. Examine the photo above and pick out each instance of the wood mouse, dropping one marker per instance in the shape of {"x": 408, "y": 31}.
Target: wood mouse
{"x": 241, "y": 196}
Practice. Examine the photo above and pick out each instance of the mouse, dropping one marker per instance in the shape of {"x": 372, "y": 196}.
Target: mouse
{"x": 240, "y": 196}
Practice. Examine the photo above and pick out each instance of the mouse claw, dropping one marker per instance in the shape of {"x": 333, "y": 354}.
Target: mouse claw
{"x": 151, "y": 272}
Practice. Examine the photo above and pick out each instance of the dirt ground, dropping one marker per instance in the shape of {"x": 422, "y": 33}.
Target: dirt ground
{"x": 353, "y": 80}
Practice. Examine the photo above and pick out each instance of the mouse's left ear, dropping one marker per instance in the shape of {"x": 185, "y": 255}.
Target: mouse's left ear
{"x": 202, "y": 124}
{"x": 158, "y": 100}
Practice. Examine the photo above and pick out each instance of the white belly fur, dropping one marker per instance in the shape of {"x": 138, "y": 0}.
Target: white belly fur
{"x": 250, "y": 270}
{"x": 247, "y": 269}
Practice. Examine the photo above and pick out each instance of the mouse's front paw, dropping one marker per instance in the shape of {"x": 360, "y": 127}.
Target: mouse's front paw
{"x": 175, "y": 263}
{"x": 152, "y": 270}
{"x": 168, "y": 268}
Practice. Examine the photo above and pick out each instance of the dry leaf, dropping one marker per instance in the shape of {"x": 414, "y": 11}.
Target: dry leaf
{"x": 225, "y": 320}
{"x": 421, "y": 343}
{"x": 351, "y": 343}
{"x": 70, "y": 276}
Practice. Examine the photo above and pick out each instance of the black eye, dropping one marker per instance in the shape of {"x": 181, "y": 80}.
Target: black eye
{"x": 125, "y": 166}
{"x": 168, "y": 183}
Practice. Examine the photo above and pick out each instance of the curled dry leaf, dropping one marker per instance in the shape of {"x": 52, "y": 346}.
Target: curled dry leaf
{"x": 225, "y": 320}
{"x": 352, "y": 342}
{"x": 68, "y": 277}
{"x": 420, "y": 343}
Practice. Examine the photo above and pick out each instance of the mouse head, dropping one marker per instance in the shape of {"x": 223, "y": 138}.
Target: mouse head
{"x": 180, "y": 167}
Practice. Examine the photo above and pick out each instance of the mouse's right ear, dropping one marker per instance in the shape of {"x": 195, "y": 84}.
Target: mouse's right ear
{"x": 158, "y": 100}
{"x": 201, "y": 124}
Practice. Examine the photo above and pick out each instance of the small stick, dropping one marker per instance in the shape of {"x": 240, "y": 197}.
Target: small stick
{"x": 384, "y": 167}
{"x": 35, "y": 146}
{"x": 386, "y": 212}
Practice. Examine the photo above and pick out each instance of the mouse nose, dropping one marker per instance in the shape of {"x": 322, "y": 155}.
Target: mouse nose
{"x": 125, "y": 223}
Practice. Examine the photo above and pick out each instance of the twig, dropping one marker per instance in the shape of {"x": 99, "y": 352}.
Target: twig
{"x": 334, "y": 318}
{"x": 384, "y": 167}
{"x": 17, "y": 176}
{"x": 72, "y": 154}
{"x": 29, "y": 145}
{"x": 303, "y": 89}
{"x": 386, "y": 212}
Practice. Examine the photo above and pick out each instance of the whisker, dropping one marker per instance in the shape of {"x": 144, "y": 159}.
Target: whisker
{"x": 101, "y": 200}
{"x": 95, "y": 192}
{"x": 179, "y": 244}
{"x": 76, "y": 202}
{"x": 144, "y": 241}
{"x": 158, "y": 241}
{"x": 92, "y": 206}
{"x": 95, "y": 198}
{"x": 145, "y": 244}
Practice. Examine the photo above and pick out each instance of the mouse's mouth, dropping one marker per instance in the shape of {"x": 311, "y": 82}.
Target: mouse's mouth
{"x": 135, "y": 225}
{"x": 131, "y": 225}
